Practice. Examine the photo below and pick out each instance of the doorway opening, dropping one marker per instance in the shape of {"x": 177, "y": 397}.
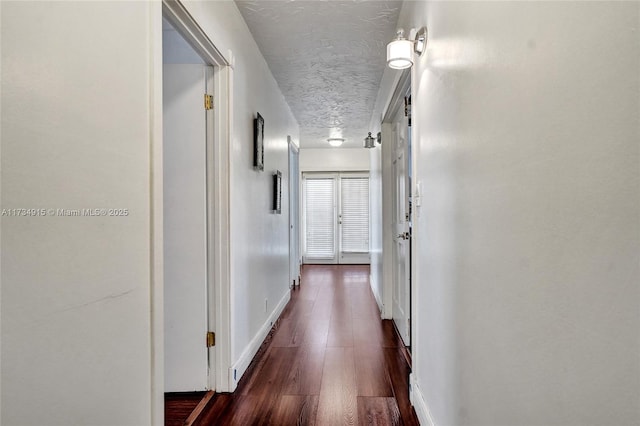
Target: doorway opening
{"x": 189, "y": 230}
{"x": 215, "y": 246}
{"x": 398, "y": 261}
{"x": 186, "y": 132}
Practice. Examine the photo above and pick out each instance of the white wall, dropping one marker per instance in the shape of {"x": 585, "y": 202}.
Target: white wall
{"x": 76, "y": 290}
{"x": 528, "y": 238}
{"x": 334, "y": 159}
{"x": 259, "y": 238}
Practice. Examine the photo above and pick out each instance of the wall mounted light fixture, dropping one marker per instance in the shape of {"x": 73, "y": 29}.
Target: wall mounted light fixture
{"x": 335, "y": 141}
{"x": 400, "y": 51}
{"x": 369, "y": 141}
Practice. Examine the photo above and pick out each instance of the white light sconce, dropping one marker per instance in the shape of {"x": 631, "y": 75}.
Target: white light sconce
{"x": 369, "y": 141}
{"x": 400, "y": 51}
{"x": 335, "y": 141}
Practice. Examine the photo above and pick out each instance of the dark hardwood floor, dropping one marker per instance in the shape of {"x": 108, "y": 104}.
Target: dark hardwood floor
{"x": 329, "y": 360}
{"x": 178, "y": 406}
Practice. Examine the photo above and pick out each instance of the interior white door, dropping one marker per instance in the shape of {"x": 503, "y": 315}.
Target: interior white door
{"x": 210, "y": 237}
{"x": 185, "y": 227}
{"x": 401, "y": 229}
{"x": 294, "y": 215}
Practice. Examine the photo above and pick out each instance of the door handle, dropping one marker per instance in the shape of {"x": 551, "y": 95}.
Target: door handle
{"x": 404, "y": 236}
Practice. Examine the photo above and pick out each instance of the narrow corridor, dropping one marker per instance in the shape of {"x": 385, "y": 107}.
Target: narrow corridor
{"x": 329, "y": 361}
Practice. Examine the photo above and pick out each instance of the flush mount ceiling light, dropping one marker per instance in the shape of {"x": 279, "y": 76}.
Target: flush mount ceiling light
{"x": 335, "y": 141}
{"x": 369, "y": 141}
{"x": 400, "y": 50}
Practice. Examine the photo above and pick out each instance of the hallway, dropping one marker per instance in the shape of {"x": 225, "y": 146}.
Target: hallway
{"x": 521, "y": 189}
{"x": 329, "y": 361}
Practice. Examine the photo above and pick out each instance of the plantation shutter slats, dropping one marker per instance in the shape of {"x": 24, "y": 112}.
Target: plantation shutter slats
{"x": 320, "y": 218}
{"x": 336, "y": 217}
{"x": 355, "y": 214}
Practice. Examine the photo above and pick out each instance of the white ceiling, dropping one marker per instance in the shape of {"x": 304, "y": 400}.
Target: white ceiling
{"x": 328, "y": 58}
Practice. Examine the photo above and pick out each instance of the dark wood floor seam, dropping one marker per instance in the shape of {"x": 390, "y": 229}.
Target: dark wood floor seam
{"x": 199, "y": 409}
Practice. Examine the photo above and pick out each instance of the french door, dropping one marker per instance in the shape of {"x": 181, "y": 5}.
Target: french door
{"x": 336, "y": 217}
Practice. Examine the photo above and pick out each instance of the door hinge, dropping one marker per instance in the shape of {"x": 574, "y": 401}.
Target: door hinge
{"x": 211, "y": 339}
{"x": 208, "y": 102}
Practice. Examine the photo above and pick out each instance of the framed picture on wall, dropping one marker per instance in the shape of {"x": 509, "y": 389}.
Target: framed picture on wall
{"x": 258, "y": 142}
{"x": 277, "y": 192}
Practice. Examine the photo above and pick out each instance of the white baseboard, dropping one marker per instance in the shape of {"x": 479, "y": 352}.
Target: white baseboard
{"x": 419, "y": 404}
{"x": 375, "y": 294}
{"x": 240, "y": 366}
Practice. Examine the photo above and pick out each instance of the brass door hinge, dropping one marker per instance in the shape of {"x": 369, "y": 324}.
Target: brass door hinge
{"x": 211, "y": 339}
{"x": 208, "y": 102}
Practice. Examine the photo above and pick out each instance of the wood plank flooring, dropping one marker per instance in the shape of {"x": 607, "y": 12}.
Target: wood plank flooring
{"x": 329, "y": 360}
{"x": 178, "y": 406}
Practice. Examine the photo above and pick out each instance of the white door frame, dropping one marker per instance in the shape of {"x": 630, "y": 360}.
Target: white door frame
{"x": 218, "y": 183}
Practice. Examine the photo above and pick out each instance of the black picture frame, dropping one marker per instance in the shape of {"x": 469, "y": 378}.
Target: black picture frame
{"x": 277, "y": 192}
{"x": 258, "y": 142}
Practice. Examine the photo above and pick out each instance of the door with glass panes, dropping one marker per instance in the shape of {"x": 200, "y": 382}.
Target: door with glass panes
{"x": 336, "y": 217}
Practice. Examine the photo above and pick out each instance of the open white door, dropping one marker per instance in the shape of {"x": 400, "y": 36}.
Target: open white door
{"x": 401, "y": 228}
{"x": 211, "y": 209}
{"x": 294, "y": 214}
{"x": 185, "y": 227}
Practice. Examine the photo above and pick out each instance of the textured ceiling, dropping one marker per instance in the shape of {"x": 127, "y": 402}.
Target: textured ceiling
{"x": 328, "y": 58}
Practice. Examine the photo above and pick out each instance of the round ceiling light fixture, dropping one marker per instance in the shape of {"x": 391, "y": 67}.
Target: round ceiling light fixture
{"x": 335, "y": 141}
